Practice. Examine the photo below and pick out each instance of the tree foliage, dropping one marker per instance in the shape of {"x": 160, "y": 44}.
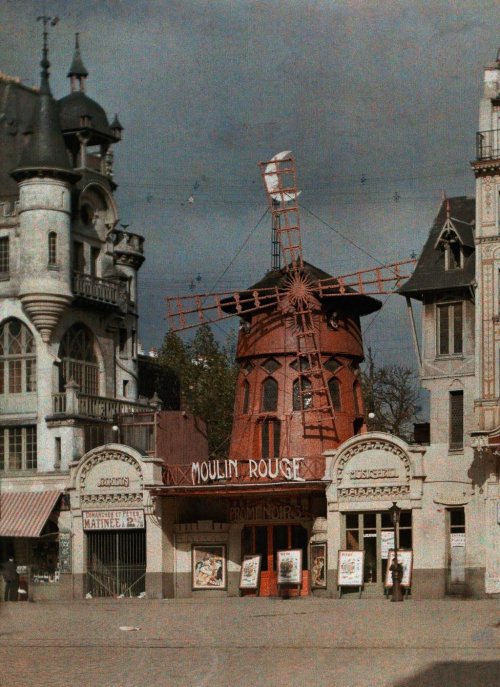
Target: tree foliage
{"x": 207, "y": 374}
{"x": 391, "y": 393}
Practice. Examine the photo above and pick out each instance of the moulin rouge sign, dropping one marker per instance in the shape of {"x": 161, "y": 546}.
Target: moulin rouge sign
{"x": 264, "y": 469}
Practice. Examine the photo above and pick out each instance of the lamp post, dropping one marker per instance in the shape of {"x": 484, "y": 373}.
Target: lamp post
{"x": 396, "y": 567}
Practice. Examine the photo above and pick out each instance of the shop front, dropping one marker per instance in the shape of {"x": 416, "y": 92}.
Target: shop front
{"x": 228, "y": 516}
{"x": 368, "y": 474}
{"x": 34, "y": 531}
{"x": 113, "y": 519}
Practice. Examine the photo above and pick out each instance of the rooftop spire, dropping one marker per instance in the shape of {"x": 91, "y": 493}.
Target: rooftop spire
{"x": 45, "y": 150}
{"x": 77, "y": 71}
{"x": 44, "y": 63}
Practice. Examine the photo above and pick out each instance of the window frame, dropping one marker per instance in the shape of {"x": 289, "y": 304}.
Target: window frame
{"x": 18, "y": 370}
{"x": 4, "y": 257}
{"x": 453, "y": 429}
{"x": 449, "y": 307}
{"x": 23, "y": 436}
{"x": 267, "y": 381}
{"x": 52, "y": 249}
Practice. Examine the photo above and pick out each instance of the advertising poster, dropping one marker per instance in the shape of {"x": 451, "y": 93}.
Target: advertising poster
{"x": 250, "y": 571}
{"x": 290, "y": 567}
{"x": 209, "y": 566}
{"x": 405, "y": 557}
{"x": 350, "y": 568}
{"x": 318, "y": 565}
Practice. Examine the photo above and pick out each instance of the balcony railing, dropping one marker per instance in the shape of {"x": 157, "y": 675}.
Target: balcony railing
{"x": 100, "y": 290}
{"x": 73, "y": 402}
{"x": 488, "y": 145}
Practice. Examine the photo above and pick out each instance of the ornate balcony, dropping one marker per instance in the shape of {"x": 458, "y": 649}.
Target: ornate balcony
{"x": 100, "y": 291}
{"x": 71, "y": 402}
{"x": 488, "y": 145}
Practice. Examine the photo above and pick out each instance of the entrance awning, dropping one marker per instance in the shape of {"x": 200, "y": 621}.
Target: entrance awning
{"x": 24, "y": 513}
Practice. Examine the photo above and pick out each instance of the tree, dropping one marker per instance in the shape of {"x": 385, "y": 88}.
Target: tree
{"x": 391, "y": 393}
{"x": 207, "y": 374}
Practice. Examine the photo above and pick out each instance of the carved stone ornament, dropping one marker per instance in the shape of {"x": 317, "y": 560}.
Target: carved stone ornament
{"x": 109, "y": 499}
{"x": 369, "y": 493}
{"x": 107, "y": 457}
{"x": 373, "y": 445}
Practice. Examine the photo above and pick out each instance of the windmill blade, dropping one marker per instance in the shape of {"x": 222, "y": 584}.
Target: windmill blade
{"x": 280, "y": 181}
{"x": 376, "y": 281}
{"x": 186, "y": 312}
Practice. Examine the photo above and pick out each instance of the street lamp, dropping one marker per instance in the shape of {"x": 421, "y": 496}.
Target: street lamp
{"x": 396, "y": 567}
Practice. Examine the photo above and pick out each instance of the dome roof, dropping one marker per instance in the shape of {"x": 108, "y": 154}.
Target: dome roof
{"x": 77, "y": 105}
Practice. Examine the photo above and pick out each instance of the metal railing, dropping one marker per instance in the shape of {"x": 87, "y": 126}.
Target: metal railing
{"x": 99, "y": 290}
{"x": 97, "y": 407}
{"x": 488, "y": 144}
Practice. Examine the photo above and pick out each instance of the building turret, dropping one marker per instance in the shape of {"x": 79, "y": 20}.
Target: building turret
{"x": 44, "y": 176}
{"x": 84, "y": 122}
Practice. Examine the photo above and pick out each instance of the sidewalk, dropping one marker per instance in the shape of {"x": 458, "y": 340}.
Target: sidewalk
{"x": 249, "y": 641}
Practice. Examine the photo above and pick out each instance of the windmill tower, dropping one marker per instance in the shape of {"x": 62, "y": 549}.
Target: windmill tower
{"x": 299, "y": 345}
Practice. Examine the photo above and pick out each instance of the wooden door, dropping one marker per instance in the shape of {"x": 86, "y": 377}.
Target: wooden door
{"x": 267, "y": 540}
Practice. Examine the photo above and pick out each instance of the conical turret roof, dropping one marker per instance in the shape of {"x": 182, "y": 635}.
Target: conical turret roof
{"x": 45, "y": 149}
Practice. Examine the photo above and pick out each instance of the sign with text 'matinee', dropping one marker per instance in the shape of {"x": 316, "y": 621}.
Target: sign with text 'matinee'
{"x": 113, "y": 519}
{"x": 288, "y": 469}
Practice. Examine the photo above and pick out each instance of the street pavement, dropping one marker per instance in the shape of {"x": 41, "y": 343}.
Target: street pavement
{"x": 250, "y": 642}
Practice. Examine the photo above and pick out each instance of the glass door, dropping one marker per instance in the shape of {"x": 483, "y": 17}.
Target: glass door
{"x": 373, "y": 533}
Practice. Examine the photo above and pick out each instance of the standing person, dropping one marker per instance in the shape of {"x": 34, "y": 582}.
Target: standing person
{"x": 10, "y": 578}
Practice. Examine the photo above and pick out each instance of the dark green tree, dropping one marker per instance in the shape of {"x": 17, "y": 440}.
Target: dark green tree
{"x": 207, "y": 374}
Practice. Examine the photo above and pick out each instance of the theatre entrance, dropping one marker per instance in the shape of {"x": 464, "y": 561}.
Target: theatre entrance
{"x": 116, "y": 563}
{"x": 267, "y": 540}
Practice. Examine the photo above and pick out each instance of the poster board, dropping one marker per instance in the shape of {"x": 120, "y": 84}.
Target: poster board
{"x": 208, "y": 566}
{"x": 250, "y": 571}
{"x": 405, "y": 557}
{"x": 290, "y": 567}
{"x": 350, "y": 568}
{"x": 318, "y": 564}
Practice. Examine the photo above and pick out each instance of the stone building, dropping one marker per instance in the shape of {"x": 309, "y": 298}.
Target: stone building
{"x": 69, "y": 362}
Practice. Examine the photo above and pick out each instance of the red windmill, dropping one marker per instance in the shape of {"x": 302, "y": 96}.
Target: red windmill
{"x": 299, "y": 344}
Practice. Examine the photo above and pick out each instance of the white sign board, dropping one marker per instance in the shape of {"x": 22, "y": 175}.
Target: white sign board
{"x": 290, "y": 566}
{"x": 405, "y": 557}
{"x": 350, "y": 568}
{"x": 113, "y": 519}
{"x": 387, "y": 543}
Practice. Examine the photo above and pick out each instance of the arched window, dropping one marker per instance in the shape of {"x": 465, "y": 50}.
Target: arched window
{"x": 271, "y": 436}
{"x": 78, "y": 360}
{"x": 334, "y": 389}
{"x": 302, "y": 394}
{"x": 246, "y": 397}
{"x": 52, "y": 246}
{"x": 17, "y": 358}
{"x": 270, "y": 395}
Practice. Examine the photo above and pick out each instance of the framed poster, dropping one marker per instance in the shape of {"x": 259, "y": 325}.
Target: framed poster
{"x": 350, "y": 568}
{"x": 250, "y": 572}
{"x": 209, "y": 566}
{"x": 405, "y": 557}
{"x": 290, "y": 566}
{"x": 318, "y": 565}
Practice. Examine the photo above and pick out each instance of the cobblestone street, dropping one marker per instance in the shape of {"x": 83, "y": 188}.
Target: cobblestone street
{"x": 237, "y": 642}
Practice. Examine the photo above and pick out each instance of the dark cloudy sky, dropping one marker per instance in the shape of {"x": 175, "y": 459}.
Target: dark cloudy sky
{"x": 379, "y": 89}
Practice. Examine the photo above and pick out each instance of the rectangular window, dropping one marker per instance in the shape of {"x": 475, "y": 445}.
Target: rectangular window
{"x": 15, "y": 376}
{"x": 18, "y": 448}
{"x": 57, "y": 452}
{"x": 122, "y": 342}
{"x": 94, "y": 260}
{"x": 4, "y": 256}
{"x": 456, "y": 420}
{"x": 15, "y": 448}
{"x": 78, "y": 257}
{"x": 450, "y": 328}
